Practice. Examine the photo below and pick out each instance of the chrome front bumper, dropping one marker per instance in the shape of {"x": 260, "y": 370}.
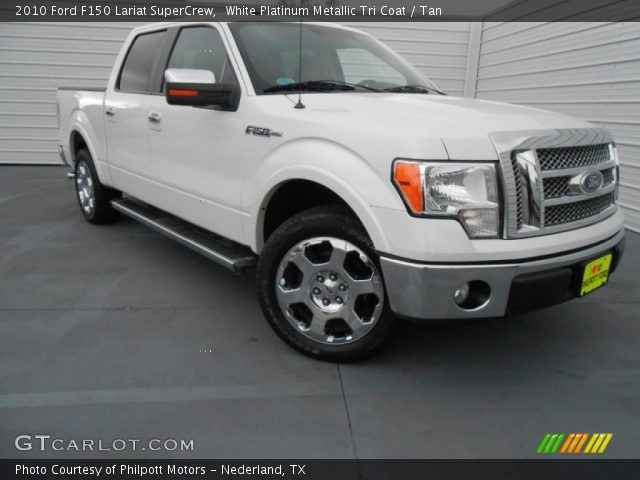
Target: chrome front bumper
{"x": 426, "y": 291}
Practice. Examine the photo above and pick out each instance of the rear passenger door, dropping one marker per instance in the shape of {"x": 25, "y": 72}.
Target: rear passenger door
{"x": 195, "y": 152}
{"x": 126, "y": 109}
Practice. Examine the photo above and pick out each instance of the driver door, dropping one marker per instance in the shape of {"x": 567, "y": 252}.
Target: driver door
{"x": 194, "y": 151}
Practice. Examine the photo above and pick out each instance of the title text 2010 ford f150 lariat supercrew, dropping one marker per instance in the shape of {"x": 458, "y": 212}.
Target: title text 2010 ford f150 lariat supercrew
{"x": 353, "y": 185}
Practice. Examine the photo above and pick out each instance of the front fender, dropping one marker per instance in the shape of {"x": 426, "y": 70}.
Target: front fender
{"x": 329, "y": 164}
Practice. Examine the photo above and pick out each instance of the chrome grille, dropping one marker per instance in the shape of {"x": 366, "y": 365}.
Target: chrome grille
{"x": 556, "y": 186}
{"x": 607, "y": 175}
{"x": 519, "y": 202}
{"x": 545, "y": 186}
{"x": 571, "y": 157}
{"x": 559, "y": 186}
{"x": 572, "y": 212}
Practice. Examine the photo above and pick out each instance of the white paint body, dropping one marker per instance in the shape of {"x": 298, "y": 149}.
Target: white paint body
{"x": 201, "y": 166}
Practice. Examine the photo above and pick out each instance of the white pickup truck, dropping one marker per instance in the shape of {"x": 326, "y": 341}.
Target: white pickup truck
{"x": 348, "y": 181}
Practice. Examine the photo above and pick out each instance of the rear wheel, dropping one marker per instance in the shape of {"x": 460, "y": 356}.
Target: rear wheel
{"x": 93, "y": 197}
{"x": 321, "y": 288}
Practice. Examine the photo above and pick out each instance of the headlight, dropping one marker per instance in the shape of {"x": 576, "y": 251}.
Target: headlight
{"x": 466, "y": 191}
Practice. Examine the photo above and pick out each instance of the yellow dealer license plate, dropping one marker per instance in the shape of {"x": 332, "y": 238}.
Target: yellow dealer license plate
{"x": 596, "y": 274}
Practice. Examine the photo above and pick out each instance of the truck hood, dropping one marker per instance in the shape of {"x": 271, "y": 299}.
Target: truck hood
{"x": 462, "y": 124}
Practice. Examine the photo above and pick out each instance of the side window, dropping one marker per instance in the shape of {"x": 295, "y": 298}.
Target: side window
{"x": 138, "y": 64}
{"x": 201, "y": 48}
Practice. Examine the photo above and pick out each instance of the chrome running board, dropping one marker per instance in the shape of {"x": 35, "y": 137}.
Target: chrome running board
{"x": 223, "y": 252}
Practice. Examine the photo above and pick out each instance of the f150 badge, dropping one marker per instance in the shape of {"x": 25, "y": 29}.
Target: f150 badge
{"x": 262, "y": 131}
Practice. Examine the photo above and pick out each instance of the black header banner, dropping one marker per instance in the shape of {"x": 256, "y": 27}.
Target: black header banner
{"x": 321, "y": 10}
{"x": 584, "y": 469}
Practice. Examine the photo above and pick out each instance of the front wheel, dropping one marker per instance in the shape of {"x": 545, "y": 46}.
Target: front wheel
{"x": 320, "y": 286}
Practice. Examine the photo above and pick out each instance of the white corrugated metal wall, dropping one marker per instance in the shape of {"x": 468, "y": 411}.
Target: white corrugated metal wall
{"x": 438, "y": 49}
{"x": 36, "y": 59}
{"x": 590, "y": 70}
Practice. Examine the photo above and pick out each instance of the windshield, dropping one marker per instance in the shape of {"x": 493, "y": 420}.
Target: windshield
{"x": 331, "y": 57}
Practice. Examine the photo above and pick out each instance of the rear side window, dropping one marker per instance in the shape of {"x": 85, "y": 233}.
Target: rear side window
{"x": 201, "y": 48}
{"x": 137, "y": 67}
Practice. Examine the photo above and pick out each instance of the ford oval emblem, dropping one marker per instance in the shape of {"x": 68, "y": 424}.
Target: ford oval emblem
{"x": 591, "y": 182}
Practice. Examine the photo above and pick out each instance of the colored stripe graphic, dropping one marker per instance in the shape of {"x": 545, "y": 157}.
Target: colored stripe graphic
{"x": 605, "y": 443}
{"x": 555, "y": 447}
{"x": 543, "y": 443}
{"x": 581, "y": 442}
{"x": 591, "y": 442}
{"x": 598, "y": 443}
{"x": 573, "y": 445}
{"x": 550, "y": 443}
{"x": 556, "y": 443}
{"x": 568, "y": 442}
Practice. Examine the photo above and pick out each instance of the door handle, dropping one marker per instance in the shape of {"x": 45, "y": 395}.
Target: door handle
{"x": 154, "y": 117}
{"x": 109, "y": 111}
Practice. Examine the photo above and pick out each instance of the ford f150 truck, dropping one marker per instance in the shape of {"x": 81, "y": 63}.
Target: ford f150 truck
{"x": 354, "y": 188}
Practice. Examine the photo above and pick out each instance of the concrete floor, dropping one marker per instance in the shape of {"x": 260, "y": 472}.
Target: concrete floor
{"x": 102, "y": 332}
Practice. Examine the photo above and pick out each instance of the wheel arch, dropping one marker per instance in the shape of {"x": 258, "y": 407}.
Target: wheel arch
{"x": 339, "y": 172}
{"x": 77, "y": 142}
{"x": 294, "y": 195}
{"x": 82, "y": 134}
{"x": 278, "y": 206}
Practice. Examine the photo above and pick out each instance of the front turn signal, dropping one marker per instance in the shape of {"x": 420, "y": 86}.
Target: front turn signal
{"x": 408, "y": 178}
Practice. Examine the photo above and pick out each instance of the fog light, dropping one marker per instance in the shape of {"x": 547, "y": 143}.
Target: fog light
{"x": 472, "y": 295}
{"x": 461, "y": 294}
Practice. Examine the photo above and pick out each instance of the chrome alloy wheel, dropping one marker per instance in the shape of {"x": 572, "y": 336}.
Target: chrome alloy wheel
{"x": 84, "y": 187}
{"x": 329, "y": 290}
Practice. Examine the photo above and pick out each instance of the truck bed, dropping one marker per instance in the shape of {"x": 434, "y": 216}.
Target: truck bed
{"x": 84, "y": 107}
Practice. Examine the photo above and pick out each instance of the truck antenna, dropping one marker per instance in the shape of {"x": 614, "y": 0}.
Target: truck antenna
{"x": 300, "y": 104}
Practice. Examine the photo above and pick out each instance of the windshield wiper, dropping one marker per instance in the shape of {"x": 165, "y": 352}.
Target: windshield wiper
{"x": 413, "y": 89}
{"x": 319, "y": 86}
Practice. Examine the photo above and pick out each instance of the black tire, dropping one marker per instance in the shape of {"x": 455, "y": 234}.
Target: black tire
{"x": 101, "y": 211}
{"x": 326, "y": 221}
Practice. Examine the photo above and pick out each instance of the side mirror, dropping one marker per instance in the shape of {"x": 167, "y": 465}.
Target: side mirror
{"x": 198, "y": 88}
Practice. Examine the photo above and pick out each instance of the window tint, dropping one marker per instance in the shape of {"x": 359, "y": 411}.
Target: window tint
{"x": 360, "y": 65}
{"x": 139, "y": 62}
{"x": 201, "y": 48}
{"x": 271, "y": 52}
